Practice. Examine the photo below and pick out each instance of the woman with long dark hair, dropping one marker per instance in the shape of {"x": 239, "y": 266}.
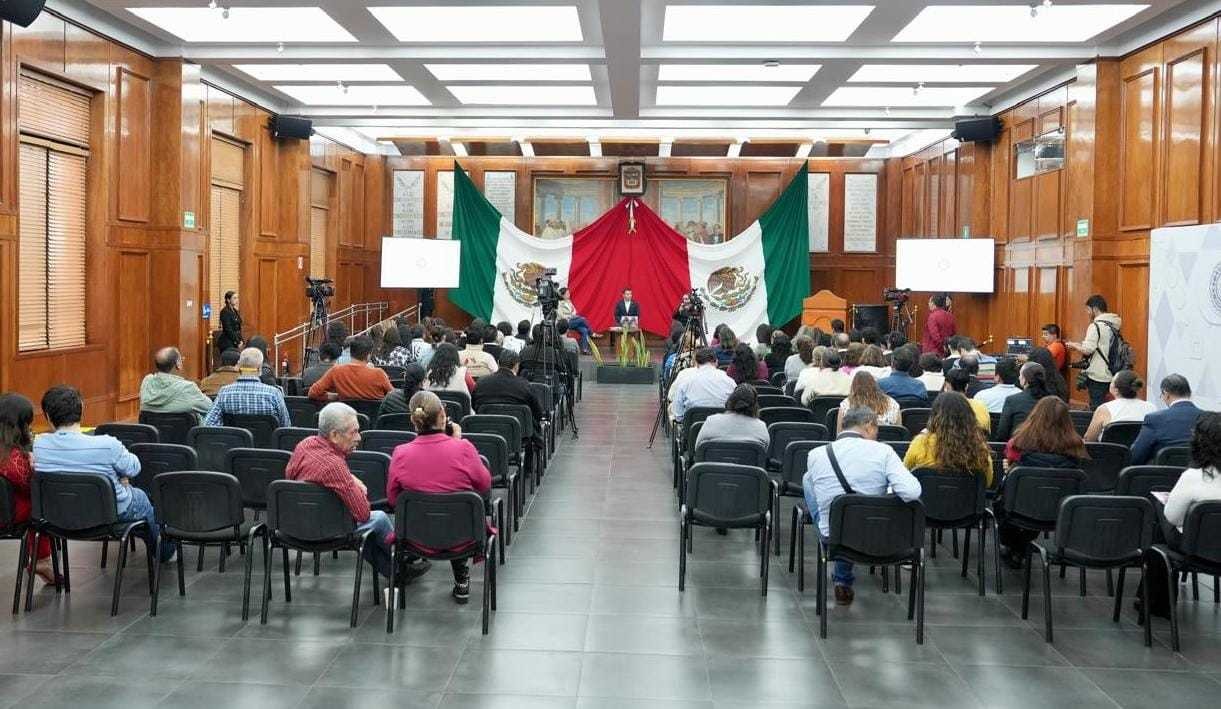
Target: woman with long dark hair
{"x": 953, "y": 441}
{"x": 727, "y": 344}
{"x": 782, "y": 347}
{"x": 1055, "y": 381}
{"x": 16, "y": 466}
{"x": 230, "y": 325}
{"x": 865, "y": 392}
{"x": 745, "y": 367}
{"x": 1032, "y": 377}
{"x": 446, "y": 373}
{"x": 392, "y": 352}
{"x": 396, "y": 401}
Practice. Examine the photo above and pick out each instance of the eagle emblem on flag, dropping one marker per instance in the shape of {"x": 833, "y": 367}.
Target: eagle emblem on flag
{"x": 520, "y": 282}
{"x": 730, "y": 288}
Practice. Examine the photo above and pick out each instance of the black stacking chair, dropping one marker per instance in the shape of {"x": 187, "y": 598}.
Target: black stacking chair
{"x": 429, "y": 524}
{"x": 751, "y": 453}
{"x": 255, "y": 469}
{"x": 303, "y": 411}
{"x": 206, "y": 509}
{"x": 915, "y": 420}
{"x": 1199, "y": 550}
{"x": 311, "y": 518}
{"x": 778, "y": 379}
{"x": 81, "y": 507}
{"x": 956, "y": 501}
{"x": 535, "y": 453}
{"x": 10, "y": 528}
{"x": 159, "y": 458}
{"x": 766, "y": 389}
{"x": 684, "y": 442}
{"x": 1081, "y": 420}
{"x": 1140, "y": 480}
{"x": 548, "y": 400}
{"x": 363, "y": 422}
{"x": 495, "y": 453}
{"x": 768, "y": 401}
{"x": 726, "y": 495}
{"x": 385, "y": 441}
{"x": 777, "y": 414}
{"x": 368, "y": 407}
{"x": 1032, "y": 501}
{"x": 372, "y": 467}
{"x": 790, "y": 389}
{"x": 1097, "y": 532}
{"x": 820, "y": 406}
{"x": 1122, "y": 432}
{"x": 291, "y": 386}
{"x": 911, "y": 402}
{"x": 886, "y": 432}
{"x": 1178, "y": 456}
{"x": 462, "y": 399}
{"x": 129, "y": 434}
{"x": 1103, "y": 466}
{"x": 899, "y": 447}
{"x": 286, "y": 439}
{"x": 793, "y": 468}
{"x": 395, "y": 422}
{"x": 508, "y": 428}
{"x": 833, "y": 422}
{"x": 393, "y": 372}
{"x": 994, "y": 422}
{"x": 997, "y": 449}
{"x": 171, "y": 428}
{"x": 875, "y": 530}
{"x": 932, "y": 396}
{"x": 213, "y": 443}
{"x": 261, "y": 426}
{"x": 785, "y": 432}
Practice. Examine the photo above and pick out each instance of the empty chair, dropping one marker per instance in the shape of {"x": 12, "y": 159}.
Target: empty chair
{"x": 551, "y": 406}
{"x": 752, "y": 453}
{"x": 372, "y": 467}
{"x": 793, "y": 465}
{"x": 1096, "y": 532}
{"x": 1032, "y": 501}
{"x": 1103, "y": 466}
{"x": 886, "y": 432}
{"x": 790, "y": 389}
{"x": 302, "y": 410}
{"x": 395, "y": 422}
{"x": 916, "y": 419}
{"x": 820, "y": 406}
{"x": 508, "y": 428}
{"x": 171, "y": 428}
{"x": 1140, "y": 480}
{"x": 776, "y": 414}
{"x": 879, "y": 530}
{"x": 444, "y": 527}
{"x": 255, "y": 469}
{"x": 900, "y": 447}
{"x": 997, "y": 449}
{"x": 129, "y": 434}
{"x": 1081, "y": 420}
{"x": 785, "y": 432}
{"x": 1199, "y": 549}
{"x": 462, "y": 399}
{"x": 955, "y": 500}
{"x": 767, "y": 389}
{"x": 159, "y": 458}
{"x": 213, "y": 443}
{"x": 994, "y": 422}
{"x": 363, "y": 421}
{"x": 726, "y": 496}
{"x": 385, "y": 441}
{"x": 367, "y": 407}
{"x": 495, "y": 453}
{"x": 1179, "y": 456}
{"x": 261, "y": 426}
{"x": 774, "y": 400}
{"x": 530, "y": 443}
{"x": 286, "y": 439}
{"x": 684, "y": 440}
{"x": 311, "y": 518}
{"x": 778, "y": 379}
{"x": 203, "y": 508}
{"x": 833, "y": 421}
{"x": 1122, "y": 432}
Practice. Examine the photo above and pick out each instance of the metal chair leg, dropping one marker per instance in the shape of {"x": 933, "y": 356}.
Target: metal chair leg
{"x": 21, "y": 563}
{"x": 1144, "y": 592}
{"x": 1046, "y": 594}
{"x": 1119, "y": 595}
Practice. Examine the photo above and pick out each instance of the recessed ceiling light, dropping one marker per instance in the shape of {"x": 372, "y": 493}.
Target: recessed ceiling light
{"x": 501, "y": 95}
{"x": 1013, "y": 23}
{"x": 762, "y": 23}
{"x": 726, "y": 95}
{"x": 362, "y": 95}
{"x": 263, "y": 25}
{"x": 481, "y": 23}
{"x": 939, "y": 73}
{"x": 736, "y": 72}
{"x": 319, "y": 72}
{"x": 510, "y": 72}
{"x": 902, "y": 96}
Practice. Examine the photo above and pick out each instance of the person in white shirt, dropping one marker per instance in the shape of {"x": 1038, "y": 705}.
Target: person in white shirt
{"x": 873, "y": 362}
{"x": 933, "y": 375}
{"x": 1125, "y": 387}
{"x": 509, "y": 342}
{"x": 1202, "y": 481}
{"x": 701, "y": 385}
{"x": 823, "y": 378}
{"x": 868, "y": 467}
{"x": 994, "y": 396}
{"x": 477, "y": 362}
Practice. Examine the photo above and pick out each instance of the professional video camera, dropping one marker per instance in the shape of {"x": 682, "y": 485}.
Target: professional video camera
{"x": 897, "y": 296}
{"x": 548, "y": 293}
{"x": 693, "y": 305}
{"x": 317, "y": 289}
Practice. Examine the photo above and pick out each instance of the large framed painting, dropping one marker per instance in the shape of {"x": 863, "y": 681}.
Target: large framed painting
{"x": 563, "y": 205}
{"x": 696, "y": 208}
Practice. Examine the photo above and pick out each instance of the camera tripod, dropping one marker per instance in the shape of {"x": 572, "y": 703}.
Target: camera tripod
{"x": 555, "y": 366}
{"x": 693, "y": 333}
{"x": 315, "y": 331}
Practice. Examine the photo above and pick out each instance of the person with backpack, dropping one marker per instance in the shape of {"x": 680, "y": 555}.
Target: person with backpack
{"x": 1104, "y": 349}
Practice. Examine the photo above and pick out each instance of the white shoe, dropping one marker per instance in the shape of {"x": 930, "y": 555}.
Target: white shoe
{"x": 386, "y": 596}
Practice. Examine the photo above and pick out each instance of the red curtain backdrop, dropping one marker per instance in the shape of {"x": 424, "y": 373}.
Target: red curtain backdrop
{"x": 608, "y": 256}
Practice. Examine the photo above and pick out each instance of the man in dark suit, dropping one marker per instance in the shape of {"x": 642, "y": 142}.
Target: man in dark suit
{"x": 504, "y": 387}
{"x": 1169, "y": 427}
{"x": 626, "y": 307}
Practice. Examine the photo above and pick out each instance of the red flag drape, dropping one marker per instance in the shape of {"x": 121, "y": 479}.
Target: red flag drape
{"x": 607, "y": 256}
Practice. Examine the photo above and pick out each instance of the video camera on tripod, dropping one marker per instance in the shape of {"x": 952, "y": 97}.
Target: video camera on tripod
{"x": 897, "y": 296}
{"x": 318, "y": 289}
{"x": 548, "y": 293}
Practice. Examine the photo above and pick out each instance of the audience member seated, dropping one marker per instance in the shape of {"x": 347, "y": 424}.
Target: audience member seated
{"x": 1055, "y": 381}
{"x": 165, "y": 392}
{"x": 702, "y": 385}
{"x": 16, "y": 415}
{"x": 969, "y": 363}
{"x": 1046, "y": 439}
{"x": 801, "y": 358}
{"x": 740, "y": 422}
{"x": 1123, "y": 406}
{"x": 438, "y": 461}
{"x": 852, "y": 357}
{"x": 778, "y": 353}
{"x": 1171, "y": 427}
{"x": 356, "y": 379}
{"x": 491, "y": 342}
{"x": 958, "y": 380}
{"x": 873, "y": 361}
{"x": 422, "y": 345}
{"x": 267, "y": 375}
{"x": 392, "y": 353}
{"x": 323, "y": 460}
{"x": 248, "y": 395}
{"x": 576, "y": 322}
{"x": 223, "y": 375}
{"x": 932, "y": 374}
{"x": 726, "y": 342}
{"x": 512, "y": 342}
{"x": 328, "y": 353}
{"x": 1055, "y": 346}
{"x": 1032, "y": 378}
{"x": 67, "y": 450}
{"x": 867, "y": 466}
{"x": 745, "y": 367}
{"x": 396, "y": 401}
{"x": 445, "y": 373}
{"x": 841, "y": 342}
{"x": 864, "y": 393}
{"x": 1007, "y": 385}
{"x": 477, "y": 362}
{"x": 900, "y": 385}
{"x": 823, "y": 378}
{"x": 505, "y": 387}
{"x": 960, "y": 346}
{"x": 561, "y": 330}
{"x": 953, "y": 441}
{"x": 337, "y": 333}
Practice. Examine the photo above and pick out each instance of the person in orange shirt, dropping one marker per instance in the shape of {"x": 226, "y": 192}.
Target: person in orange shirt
{"x": 354, "y": 380}
{"x": 1051, "y": 338}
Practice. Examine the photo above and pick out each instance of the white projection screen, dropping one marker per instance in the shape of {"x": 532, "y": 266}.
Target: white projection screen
{"x": 420, "y": 263}
{"x": 950, "y": 265}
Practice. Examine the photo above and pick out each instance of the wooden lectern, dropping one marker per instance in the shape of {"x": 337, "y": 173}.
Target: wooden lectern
{"x": 821, "y": 308}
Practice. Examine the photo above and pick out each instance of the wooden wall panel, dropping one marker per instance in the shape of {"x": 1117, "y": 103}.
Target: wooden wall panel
{"x": 134, "y": 159}
{"x": 135, "y": 349}
{"x": 1141, "y": 105}
{"x": 1046, "y": 205}
{"x": 1187, "y": 154}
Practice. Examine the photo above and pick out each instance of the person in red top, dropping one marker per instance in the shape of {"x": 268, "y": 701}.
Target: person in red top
{"x": 355, "y": 379}
{"x": 940, "y": 325}
{"x": 16, "y": 415}
{"x": 438, "y": 460}
{"x": 322, "y": 460}
{"x": 1051, "y": 339}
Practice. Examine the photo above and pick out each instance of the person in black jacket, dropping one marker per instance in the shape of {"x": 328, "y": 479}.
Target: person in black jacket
{"x": 1033, "y": 380}
{"x": 268, "y": 375}
{"x": 504, "y": 387}
{"x": 230, "y": 337}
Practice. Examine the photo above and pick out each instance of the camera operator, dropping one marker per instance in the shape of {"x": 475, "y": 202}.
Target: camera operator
{"x": 940, "y": 325}
{"x": 567, "y": 311}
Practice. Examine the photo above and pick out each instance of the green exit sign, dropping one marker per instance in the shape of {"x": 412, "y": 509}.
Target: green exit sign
{"x": 188, "y": 220}
{"x": 1083, "y": 228}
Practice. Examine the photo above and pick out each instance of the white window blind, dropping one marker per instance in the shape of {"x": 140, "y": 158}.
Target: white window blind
{"x": 224, "y": 248}
{"x": 317, "y": 241}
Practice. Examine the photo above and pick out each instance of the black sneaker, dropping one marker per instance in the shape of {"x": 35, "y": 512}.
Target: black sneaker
{"x": 462, "y": 592}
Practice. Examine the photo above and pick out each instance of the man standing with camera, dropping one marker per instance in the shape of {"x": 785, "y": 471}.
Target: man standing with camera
{"x": 1096, "y": 348}
{"x": 940, "y": 325}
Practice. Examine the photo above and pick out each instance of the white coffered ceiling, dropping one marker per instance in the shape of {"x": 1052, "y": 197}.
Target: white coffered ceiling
{"x": 661, "y": 69}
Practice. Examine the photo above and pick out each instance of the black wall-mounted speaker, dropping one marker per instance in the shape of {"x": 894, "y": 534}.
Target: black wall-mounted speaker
{"x": 21, "y": 12}
{"x": 294, "y": 127}
{"x": 983, "y": 130}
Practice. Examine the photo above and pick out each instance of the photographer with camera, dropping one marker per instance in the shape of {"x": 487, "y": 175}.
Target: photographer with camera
{"x": 940, "y": 325}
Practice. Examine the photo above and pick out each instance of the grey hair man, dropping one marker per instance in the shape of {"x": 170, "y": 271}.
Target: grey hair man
{"x": 248, "y": 395}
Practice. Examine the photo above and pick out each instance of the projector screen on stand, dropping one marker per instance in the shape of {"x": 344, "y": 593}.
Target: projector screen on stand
{"x": 950, "y": 265}
{"x": 420, "y": 263}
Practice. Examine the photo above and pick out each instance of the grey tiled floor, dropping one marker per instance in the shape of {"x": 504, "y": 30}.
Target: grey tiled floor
{"x": 590, "y": 617}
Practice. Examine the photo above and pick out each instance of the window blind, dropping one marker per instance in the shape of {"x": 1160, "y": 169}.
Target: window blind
{"x": 32, "y": 252}
{"x": 65, "y": 250}
{"x": 317, "y": 241}
{"x": 224, "y": 247}
{"x": 48, "y": 109}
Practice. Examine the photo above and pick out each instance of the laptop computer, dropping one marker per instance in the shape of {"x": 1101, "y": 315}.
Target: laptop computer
{"x": 1018, "y": 345}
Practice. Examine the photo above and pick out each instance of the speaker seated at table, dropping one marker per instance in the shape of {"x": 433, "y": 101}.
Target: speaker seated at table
{"x": 627, "y": 308}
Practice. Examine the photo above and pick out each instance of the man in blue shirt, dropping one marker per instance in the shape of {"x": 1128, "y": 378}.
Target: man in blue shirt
{"x": 994, "y": 396}
{"x": 701, "y": 385}
{"x": 869, "y": 467}
{"x": 248, "y": 395}
{"x": 67, "y": 450}
{"x": 900, "y": 384}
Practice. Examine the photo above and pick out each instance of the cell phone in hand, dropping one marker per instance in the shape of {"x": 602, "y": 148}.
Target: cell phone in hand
{"x": 449, "y": 427}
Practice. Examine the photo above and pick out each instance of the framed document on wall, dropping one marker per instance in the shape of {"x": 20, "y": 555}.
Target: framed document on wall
{"x": 860, "y": 212}
{"x": 409, "y": 203}
{"x": 818, "y": 208}
{"x": 500, "y": 188}
{"x": 445, "y": 204}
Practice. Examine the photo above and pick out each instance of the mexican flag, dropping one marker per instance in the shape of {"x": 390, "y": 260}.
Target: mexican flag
{"x": 760, "y": 275}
